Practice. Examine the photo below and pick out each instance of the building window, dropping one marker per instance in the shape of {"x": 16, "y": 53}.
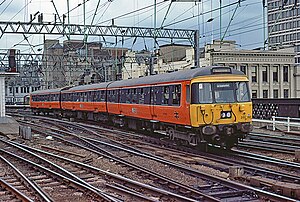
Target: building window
{"x": 10, "y": 90}
{"x": 275, "y": 74}
{"x": 244, "y": 69}
{"x": 264, "y": 74}
{"x": 286, "y": 93}
{"x": 275, "y": 93}
{"x": 254, "y": 93}
{"x": 265, "y": 93}
{"x": 286, "y": 74}
{"x": 17, "y": 89}
{"x": 254, "y": 74}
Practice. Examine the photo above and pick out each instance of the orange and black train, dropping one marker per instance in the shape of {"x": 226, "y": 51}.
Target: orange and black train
{"x": 207, "y": 105}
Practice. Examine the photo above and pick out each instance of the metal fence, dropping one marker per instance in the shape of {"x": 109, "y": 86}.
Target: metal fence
{"x": 276, "y": 122}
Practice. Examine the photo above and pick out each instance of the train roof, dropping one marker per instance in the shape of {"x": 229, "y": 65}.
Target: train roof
{"x": 160, "y": 78}
{"x": 47, "y": 91}
{"x": 177, "y": 76}
{"x": 89, "y": 86}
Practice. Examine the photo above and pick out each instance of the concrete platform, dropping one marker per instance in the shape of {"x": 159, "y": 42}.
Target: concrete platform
{"x": 9, "y": 126}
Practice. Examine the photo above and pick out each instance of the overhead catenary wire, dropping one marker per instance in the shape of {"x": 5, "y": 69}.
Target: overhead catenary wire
{"x": 189, "y": 18}
{"x": 2, "y": 2}
{"x": 6, "y": 7}
{"x": 26, "y": 6}
{"x": 135, "y": 11}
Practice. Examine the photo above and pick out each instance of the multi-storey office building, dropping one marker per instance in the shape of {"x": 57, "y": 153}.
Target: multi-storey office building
{"x": 284, "y": 25}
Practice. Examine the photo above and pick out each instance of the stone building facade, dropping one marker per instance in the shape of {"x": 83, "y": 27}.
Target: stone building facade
{"x": 272, "y": 74}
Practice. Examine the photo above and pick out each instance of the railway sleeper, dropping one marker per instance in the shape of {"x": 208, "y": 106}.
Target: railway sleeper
{"x": 284, "y": 188}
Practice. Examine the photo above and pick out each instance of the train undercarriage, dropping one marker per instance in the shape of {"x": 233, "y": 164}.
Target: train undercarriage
{"x": 225, "y": 136}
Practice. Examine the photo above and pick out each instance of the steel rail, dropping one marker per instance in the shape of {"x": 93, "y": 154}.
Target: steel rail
{"x": 37, "y": 189}
{"x": 13, "y": 190}
{"x": 78, "y": 182}
{"x": 111, "y": 156}
{"x": 263, "y": 192}
{"x": 270, "y": 146}
{"x": 106, "y": 173}
{"x": 225, "y": 182}
{"x": 249, "y": 155}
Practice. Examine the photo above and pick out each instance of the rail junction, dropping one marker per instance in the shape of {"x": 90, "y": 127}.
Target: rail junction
{"x": 118, "y": 165}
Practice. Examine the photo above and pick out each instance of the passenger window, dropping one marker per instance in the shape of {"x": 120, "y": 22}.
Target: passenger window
{"x": 188, "y": 92}
{"x": 128, "y": 96}
{"x": 134, "y": 96}
{"x": 103, "y": 95}
{"x": 85, "y": 97}
{"x": 166, "y": 95}
{"x": 157, "y": 95}
{"x": 141, "y": 96}
{"x": 176, "y": 94}
{"x": 147, "y": 95}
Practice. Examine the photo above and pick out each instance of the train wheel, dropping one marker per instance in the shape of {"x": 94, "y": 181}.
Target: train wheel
{"x": 171, "y": 133}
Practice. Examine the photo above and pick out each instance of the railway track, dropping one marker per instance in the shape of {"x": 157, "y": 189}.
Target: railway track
{"x": 10, "y": 193}
{"x": 17, "y": 185}
{"x": 159, "y": 180}
{"x": 273, "y": 143}
{"x": 195, "y": 173}
{"x": 72, "y": 127}
{"x": 46, "y": 178}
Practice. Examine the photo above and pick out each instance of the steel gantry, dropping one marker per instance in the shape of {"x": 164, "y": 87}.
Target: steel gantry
{"x": 94, "y": 30}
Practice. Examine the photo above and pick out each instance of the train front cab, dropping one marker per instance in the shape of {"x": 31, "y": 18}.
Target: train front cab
{"x": 221, "y": 108}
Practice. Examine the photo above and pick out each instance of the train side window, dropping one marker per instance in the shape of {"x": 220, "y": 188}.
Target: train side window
{"x": 122, "y": 96}
{"x": 147, "y": 95}
{"x": 157, "y": 95}
{"x": 109, "y": 96}
{"x": 176, "y": 94}
{"x": 81, "y": 98}
{"x": 130, "y": 95}
{"x": 141, "y": 96}
{"x": 134, "y": 96}
{"x": 166, "y": 95}
{"x": 112, "y": 96}
{"x": 116, "y": 96}
{"x": 97, "y": 96}
{"x": 85, "y": 96}
{"x": 102, "y": 95}
{"x": 188, "y": 93}
{"x": 127, "y": 96}
{"x": 90, "y": 96}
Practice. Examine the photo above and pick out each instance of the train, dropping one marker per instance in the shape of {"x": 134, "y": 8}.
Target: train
{"x": 200, "y": 106}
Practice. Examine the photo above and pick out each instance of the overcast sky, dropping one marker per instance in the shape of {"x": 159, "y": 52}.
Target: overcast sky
{"x": 246, "y": 27}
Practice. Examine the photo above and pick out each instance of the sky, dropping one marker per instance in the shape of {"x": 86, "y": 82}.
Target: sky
{"x": 240, "y": 22}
